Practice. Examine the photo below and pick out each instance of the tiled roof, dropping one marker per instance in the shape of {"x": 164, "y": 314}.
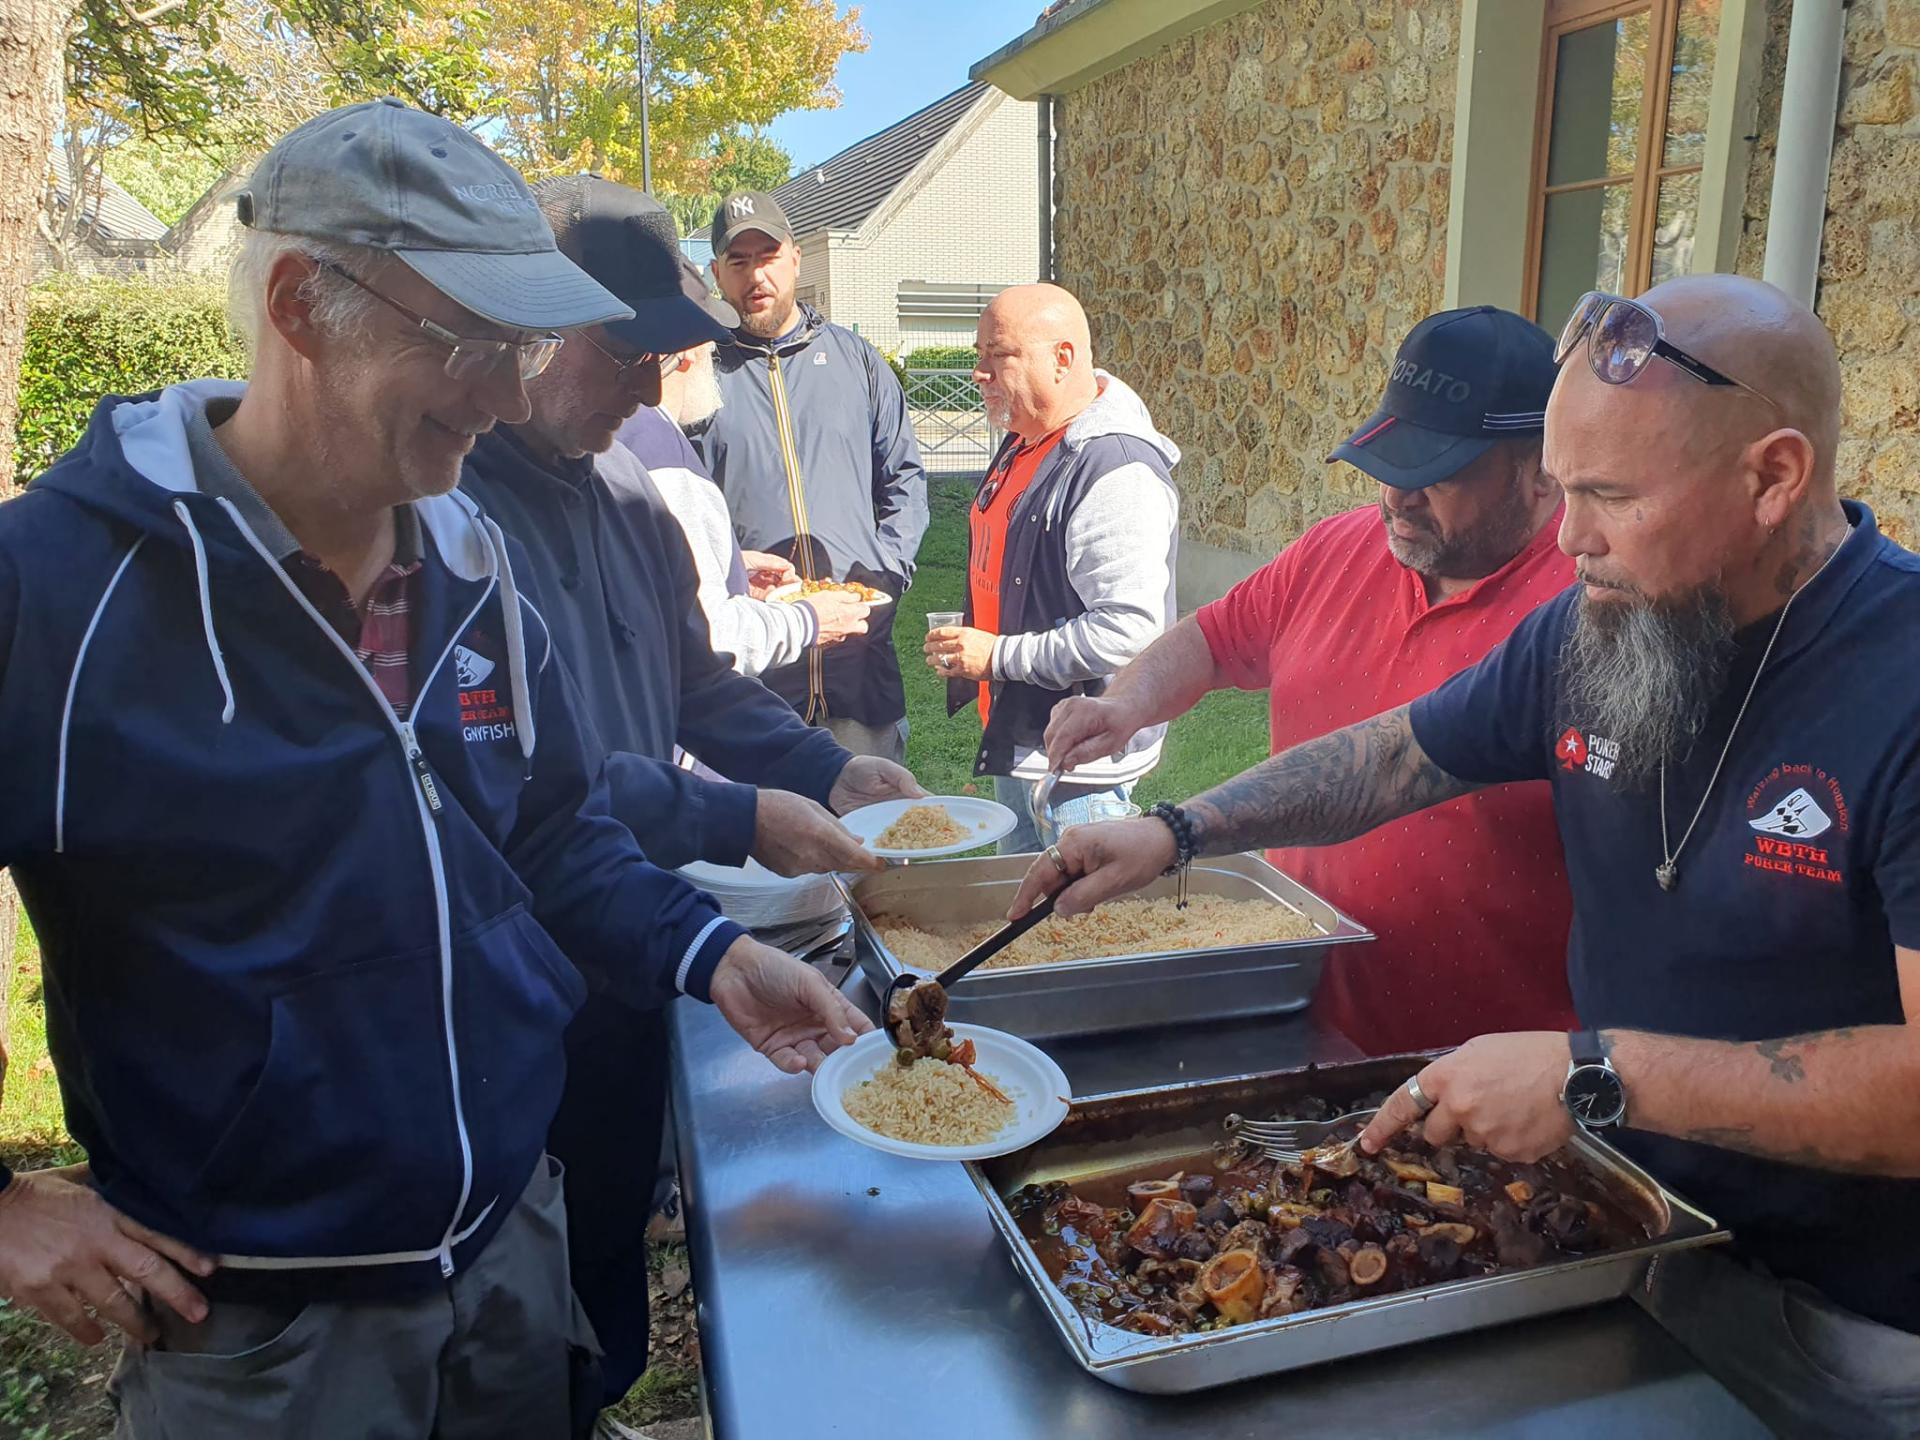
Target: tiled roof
{"x": 839, "y": 194}
{"x": 115, "y": 215}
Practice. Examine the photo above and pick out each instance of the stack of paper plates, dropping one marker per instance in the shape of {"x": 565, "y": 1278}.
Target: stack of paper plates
{"x": 755, "y": 897}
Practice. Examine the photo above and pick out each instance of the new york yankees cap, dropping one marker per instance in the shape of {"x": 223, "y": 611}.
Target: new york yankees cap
{"x": 746, "y": 210}
{"x": 386, "y": 176}
{"x": 1463, "y": 381}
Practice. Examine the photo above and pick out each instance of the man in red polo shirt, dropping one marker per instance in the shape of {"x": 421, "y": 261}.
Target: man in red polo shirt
{"x": 1363, "y": 613}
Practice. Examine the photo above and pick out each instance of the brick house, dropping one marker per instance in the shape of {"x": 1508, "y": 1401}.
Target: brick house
{"x": 907, "y": 235}
{"x": 1257, "y": 198}
{"x": 121, "y": 238}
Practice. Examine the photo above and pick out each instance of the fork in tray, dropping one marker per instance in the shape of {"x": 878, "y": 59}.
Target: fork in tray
{"x": 1289, "y": 1141}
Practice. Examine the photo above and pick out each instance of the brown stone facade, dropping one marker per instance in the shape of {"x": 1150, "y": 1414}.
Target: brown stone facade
{"x": 1254, "y": 217}
{"x": 1870, "y": 250}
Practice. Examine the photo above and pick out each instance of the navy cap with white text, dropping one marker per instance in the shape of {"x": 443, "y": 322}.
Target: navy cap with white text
{"x": 1462, "y": 381}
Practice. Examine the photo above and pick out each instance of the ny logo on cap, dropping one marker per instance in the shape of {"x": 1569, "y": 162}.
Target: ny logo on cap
{"x": 740, "y": 205}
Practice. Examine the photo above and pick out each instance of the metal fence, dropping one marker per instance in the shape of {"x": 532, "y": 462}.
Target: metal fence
{"x": 950, "y": 422}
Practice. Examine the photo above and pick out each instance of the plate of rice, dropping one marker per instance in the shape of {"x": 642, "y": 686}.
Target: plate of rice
{"x": 924, "y": 829}
{"x": 934, "y": 1110}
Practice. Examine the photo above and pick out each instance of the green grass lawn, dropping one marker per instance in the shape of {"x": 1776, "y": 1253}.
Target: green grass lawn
{"x": 51, "y": 1389}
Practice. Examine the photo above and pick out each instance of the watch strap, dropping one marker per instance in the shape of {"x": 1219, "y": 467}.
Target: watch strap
{"x": 1587, "y": 1049}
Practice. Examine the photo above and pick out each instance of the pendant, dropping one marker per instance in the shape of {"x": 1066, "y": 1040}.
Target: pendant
{"x": 1668, "y": 874}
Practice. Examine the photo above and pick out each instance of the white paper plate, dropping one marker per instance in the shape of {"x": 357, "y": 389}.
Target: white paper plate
{"x": 985, "y": 821}
{"x": 1025, "y": 1074}
{"x": 791, "y": 591}
{"x": 756, "y": 897}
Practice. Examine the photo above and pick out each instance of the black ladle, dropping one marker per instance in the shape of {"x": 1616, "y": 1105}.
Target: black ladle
{"x": 984, "y": 951}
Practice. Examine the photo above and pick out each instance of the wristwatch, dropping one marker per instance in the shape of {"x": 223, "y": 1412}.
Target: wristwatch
{"x": 1593, "y": 1094}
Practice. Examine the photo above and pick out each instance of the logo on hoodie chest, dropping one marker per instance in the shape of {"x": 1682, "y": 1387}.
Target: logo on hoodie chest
{"x": 486, "y": 709}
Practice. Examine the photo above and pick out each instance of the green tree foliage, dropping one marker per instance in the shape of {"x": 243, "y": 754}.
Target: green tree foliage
{"x": 740, "y": 161}
{"x": 91, "y": 338}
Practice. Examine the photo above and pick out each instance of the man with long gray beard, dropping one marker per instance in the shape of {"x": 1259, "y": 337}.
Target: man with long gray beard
{"x": 1725, "y": 710}
{"x": 1364, "y": 612}
{"x": 736, "y": 587}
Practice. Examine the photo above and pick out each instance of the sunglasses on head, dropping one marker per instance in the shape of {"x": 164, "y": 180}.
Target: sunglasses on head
{"x": 1623, "y": 337}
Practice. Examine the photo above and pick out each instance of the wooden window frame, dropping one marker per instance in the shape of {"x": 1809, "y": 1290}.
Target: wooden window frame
{"x": 1565, "y": 17}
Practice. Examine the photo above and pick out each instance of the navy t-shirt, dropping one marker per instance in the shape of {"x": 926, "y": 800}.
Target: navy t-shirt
{"x": 1800, "y": 879}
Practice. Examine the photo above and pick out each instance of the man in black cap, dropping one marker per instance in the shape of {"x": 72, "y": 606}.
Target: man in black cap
{"x": 1366, "y": 611}
{"x": 818, "y": 462}
{"x": 620, "y": 590}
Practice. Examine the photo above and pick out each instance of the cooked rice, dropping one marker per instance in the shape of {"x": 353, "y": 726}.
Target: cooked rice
{"x": 1120, "y": 927}
{"x": 922, "y": 827}
{"x": 931, "y": 1103}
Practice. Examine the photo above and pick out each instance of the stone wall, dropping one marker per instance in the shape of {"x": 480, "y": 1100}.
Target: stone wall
{"x": 1254, "y": 218}
{"x": 1870, "y": 259}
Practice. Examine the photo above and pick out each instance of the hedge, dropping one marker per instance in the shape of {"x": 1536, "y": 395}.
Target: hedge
{"x": 88, "y": 338}
{"x": 941, "y": 357}
{"x": 942, "y": 392}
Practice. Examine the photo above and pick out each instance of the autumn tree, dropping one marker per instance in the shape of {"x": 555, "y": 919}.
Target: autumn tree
{"x": 564, "y": 80}
{"x": 742, "y": 161}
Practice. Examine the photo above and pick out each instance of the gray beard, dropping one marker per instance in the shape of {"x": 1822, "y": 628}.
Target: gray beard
{"x": 1646, "y": 673}
{"x": 701, "y": 399}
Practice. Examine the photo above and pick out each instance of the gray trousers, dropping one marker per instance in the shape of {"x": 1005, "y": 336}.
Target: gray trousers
{"x": 482, "y": 1356}
{"x": 889, "y": 742}
{"x": 1801, "y": 1363}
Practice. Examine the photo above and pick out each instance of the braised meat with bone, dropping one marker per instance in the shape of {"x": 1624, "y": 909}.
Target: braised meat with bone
{"x": 1234, "y": 1238}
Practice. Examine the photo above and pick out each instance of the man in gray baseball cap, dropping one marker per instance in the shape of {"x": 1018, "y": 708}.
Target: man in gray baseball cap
{"x": 313, "y": 1040}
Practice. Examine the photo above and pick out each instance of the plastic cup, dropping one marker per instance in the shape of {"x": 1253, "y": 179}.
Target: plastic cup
{"x": 940, "y": 619}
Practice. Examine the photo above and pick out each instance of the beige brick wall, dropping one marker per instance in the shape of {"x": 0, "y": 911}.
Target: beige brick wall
{"x": 1870, "y": 264}
{"x": 1254, "y": 218}
{"x": 975, "y": 221}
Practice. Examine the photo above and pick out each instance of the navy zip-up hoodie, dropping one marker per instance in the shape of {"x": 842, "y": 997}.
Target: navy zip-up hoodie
{"x": 620, "y": 589}
{"x": 304, "y": 994}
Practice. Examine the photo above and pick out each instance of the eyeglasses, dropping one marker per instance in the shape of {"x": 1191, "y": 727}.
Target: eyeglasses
{"x": 623, "y": 364}
{"x": 1626, "y": 336}
{"x": 468, "y": 357}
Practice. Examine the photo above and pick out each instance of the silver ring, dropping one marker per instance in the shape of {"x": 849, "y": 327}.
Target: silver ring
{"x": 1059, "y": 861}
{"x": 946, "y": 662}
{"x": 1418, "y": 1096}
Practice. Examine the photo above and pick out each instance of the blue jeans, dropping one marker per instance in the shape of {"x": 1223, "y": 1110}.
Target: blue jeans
{"x": 1072, "y": 805}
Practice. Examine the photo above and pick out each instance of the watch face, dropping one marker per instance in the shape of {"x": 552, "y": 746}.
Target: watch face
{"x": 1596, "y": 1096}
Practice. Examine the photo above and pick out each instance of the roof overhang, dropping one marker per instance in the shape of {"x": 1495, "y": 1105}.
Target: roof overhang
{"x": 1086, "y": 39}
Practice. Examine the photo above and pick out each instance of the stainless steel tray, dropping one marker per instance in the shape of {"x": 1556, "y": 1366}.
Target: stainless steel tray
{"x": 1125, "y": 1131}
{"x": 1119, "y": 992}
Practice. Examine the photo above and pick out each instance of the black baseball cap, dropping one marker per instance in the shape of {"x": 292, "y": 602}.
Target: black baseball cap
{"x": 746, "y": 210}
{"x": 626, "y": 239}
{"x": 1463, "y": 381}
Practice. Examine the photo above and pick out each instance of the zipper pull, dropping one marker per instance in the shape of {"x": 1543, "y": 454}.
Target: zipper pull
{"x": 422, "y": 772}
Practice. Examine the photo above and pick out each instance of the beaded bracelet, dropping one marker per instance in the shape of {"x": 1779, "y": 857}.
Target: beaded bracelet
{"x": 1184, "y": 846}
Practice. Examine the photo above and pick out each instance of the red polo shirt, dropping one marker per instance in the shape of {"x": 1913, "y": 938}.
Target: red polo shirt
{"x": 1470, "y": 898}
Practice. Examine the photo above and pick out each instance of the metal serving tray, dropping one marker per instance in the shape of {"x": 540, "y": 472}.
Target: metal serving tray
{"x": 1124, "y": 1132}
{"x": 1118, "y": 992}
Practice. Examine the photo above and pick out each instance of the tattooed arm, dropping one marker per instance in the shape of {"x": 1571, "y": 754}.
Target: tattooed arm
{"x": 1324, "y": 791}
{"x": 1318, "y": 793}
{"x": 1837, "y": 1100}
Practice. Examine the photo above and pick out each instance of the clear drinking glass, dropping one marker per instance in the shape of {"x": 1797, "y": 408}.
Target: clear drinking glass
{"x": 940, "y": 619}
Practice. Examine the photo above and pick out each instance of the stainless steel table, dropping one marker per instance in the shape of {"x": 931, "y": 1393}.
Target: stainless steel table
{"x": 843, "y": 1292}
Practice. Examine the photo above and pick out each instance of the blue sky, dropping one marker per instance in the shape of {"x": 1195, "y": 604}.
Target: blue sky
{"x": 917, "y": 51}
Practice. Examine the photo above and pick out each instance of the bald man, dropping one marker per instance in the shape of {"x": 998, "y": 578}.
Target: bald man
{"x": 1071, "y": 545}
{"x": 1725, "y": 709}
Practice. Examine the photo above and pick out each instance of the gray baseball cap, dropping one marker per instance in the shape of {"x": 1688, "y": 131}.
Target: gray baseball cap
{"x": 386, "y": 176}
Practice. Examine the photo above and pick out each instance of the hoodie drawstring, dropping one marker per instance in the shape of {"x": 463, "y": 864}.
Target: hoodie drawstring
{"x": 206, "y": 609}
{"x": 516, "y": 645}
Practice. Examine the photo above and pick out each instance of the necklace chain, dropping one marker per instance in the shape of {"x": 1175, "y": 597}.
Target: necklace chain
{"x": 1668, "y": 871}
